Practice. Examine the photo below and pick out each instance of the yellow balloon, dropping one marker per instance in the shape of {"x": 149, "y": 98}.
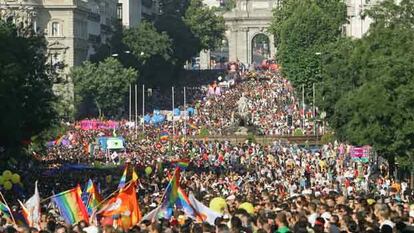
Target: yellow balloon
{"x": 15, "y": 178}
{"x": 1, "y": 180}
{"x": 148, "y": 170}
{"x": 7, "y": 175}
{"x": 218, "y": 204}
{"x": 7, "y": 185}
{"x": 248, "y": 207}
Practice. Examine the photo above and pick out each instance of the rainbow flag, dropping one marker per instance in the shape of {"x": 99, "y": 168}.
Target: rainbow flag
{"x": 170, "y": 196}
{"x": 183, "y": 202}
{"x": 182, "y": 163}
{"x": 59, "y": 140}
{"x": 164, "y": 136}
{"x": 70, "y": 206}
{"x": 193, "y": 126}
{"x": 26, "y": 214}
{"x": 4, "y": 210}
{"x": 123, "y": 179}
{"x": 94, "y": 198}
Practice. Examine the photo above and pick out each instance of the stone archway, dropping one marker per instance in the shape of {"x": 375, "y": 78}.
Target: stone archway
{"x": 249, "y": 19}
{"x": 260, "y": 48}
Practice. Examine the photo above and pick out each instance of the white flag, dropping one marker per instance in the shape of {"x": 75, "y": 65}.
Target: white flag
{"x": 152, "y": 215}
{"x": 33, "y": 207}
{"x": 204, "y": 210}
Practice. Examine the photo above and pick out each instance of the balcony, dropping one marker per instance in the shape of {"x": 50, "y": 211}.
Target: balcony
{"x": 94, "y": 39}
{"x": 94, "y": 17}
{"x": 105, "y": 28}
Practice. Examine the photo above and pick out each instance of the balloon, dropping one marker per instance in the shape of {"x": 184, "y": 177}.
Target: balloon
{"x": 248, "y": 207}
{"x": 7, "y": 185}
{"x": 15, "y": 178}
{"x": 1, "y": 180}
{"x": 148, "y": 170}
{"x": 108, "y": 179}
{"x": 7, "y": 175}
{"x": 218, "y": 204}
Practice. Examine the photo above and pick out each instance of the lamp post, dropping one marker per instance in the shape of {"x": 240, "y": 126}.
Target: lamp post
{"x": 116, "y": 55}
{"x": 319, "y": 54}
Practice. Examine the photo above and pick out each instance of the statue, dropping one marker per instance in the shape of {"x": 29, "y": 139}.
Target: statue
{"x": 242, "y": 105}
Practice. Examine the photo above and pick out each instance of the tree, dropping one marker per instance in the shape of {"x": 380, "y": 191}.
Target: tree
{"x": 105, "y": 85}
{"x": 303, "y": 29}
{"x": 145, "y": 41}
{"x": 375, "y": 102}
{"x": 26, "y": 94}
{"x": 203, "y": 22}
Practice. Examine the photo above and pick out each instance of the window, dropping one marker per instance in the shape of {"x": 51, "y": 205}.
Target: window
{"x": 119, "y": 10}
{"x": 55, "y": 29}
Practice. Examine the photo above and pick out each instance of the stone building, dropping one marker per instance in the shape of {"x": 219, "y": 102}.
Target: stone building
{"x": 72, "y": 28}
{"x": 248, "y": 40}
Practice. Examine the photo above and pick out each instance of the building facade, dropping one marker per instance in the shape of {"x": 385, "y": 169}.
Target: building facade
{"x": 132, "y": 12}
{"x": 357, "y": 24}
{"x": 72, "y": 28}
{"x": 248, "y": 39}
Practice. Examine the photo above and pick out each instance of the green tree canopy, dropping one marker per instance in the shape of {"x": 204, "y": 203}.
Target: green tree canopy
{"x": 208, "y": 27}
{"x": 145, "y": 41}
{"x": 369, "y": 83}
{"x": 104, "y": 84}
{"x": 303, "y": 29}
{"x": 26, "y": 94}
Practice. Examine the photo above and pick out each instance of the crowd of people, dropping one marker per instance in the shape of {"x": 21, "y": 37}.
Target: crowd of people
{"x": 293, "y": 188}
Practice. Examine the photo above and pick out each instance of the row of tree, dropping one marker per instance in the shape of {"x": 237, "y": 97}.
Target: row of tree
{"x": 156, "y": 51}
{"x": 28, "y": 104}
{"x": 366, "y": 85}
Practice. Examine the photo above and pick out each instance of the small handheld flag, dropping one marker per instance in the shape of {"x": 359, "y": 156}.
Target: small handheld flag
{"x": 123, "y": 179}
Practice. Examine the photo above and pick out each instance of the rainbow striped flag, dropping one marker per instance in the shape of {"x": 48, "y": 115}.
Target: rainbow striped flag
{"x": 26, "y": 214}
{"x": 94, "y": 198}
{"x": 170, "y": 196}
{"x": 183, "y": 202}
{"x": 123, "y": 179}
{"x": 59, "y": 140}
{"x": 70, "y": 206}
{"x": 164, "y": 136}
{"x": 182, "y": 163}
{"x": 4, "y": 210}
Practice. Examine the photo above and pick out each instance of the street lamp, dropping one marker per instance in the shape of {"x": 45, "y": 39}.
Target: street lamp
{"x": 117, "y": 55}
{"x": 314, "y": 94}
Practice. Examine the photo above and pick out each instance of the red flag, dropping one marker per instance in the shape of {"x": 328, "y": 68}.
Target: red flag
{"x": 125, "y": 206}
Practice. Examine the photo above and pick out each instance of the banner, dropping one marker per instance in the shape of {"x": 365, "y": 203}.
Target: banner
{"x": 111, "y": 143}
{"x": 96, "y": 124}
{"x": 115, "y": 143}
{"x": 360, "y": 153}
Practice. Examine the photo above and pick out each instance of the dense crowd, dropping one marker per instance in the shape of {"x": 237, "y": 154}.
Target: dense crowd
{"x": 292, "y": 188}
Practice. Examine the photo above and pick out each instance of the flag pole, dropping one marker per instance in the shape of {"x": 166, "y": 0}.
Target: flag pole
{"x": 136, "y": 111}
{"x": 185, "y": 114}
{"x": 130, "y": 102}
{"x": 55, "y": 195}
{"x": 143, "y": 107}
{"x": 7, "y": 205}
{"x": 173, "y": 122}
